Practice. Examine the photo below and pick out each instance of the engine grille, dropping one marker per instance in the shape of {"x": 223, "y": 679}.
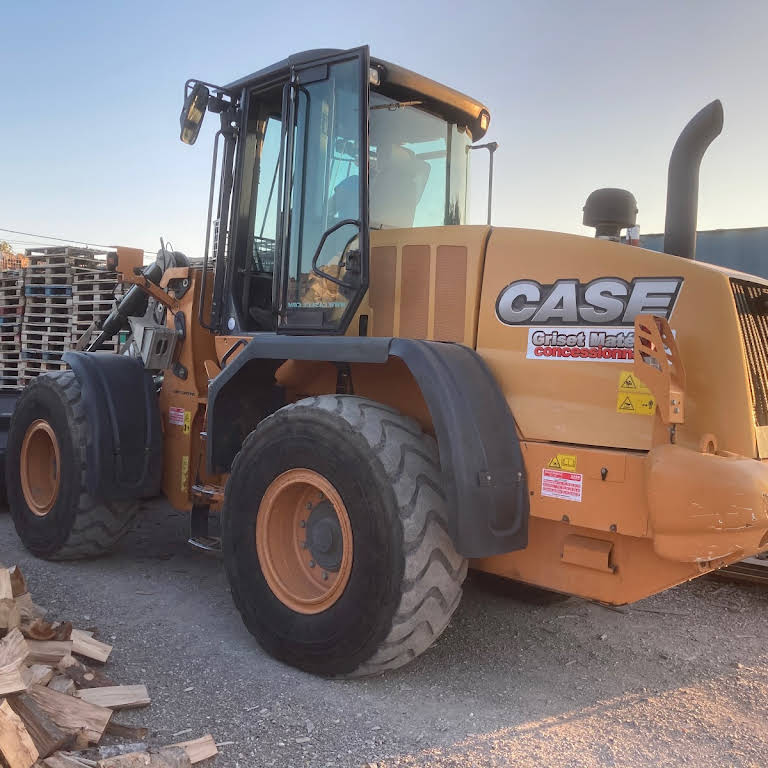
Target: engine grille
{"x": 754, "y": 334}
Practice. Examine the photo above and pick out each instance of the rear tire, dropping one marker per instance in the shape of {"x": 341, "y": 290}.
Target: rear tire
{"x": 405, "y": 578}
{"x": 55, "y": 516}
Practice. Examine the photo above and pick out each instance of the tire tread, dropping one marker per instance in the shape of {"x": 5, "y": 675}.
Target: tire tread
{"x": 434, "y": 572}
{"x": 97, "y": 525}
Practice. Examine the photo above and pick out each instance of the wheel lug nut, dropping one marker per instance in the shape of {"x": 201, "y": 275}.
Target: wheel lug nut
{"x": 311, "y": 563}
{"x": 325, "y": 575}
{"x": 303, "y": 524}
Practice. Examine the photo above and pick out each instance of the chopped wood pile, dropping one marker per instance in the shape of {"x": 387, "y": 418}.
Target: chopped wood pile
{"x": 56, "y": 702}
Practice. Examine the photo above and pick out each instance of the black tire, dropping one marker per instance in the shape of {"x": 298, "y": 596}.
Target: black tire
{"x": 77, "y": 525}
{"x": 406, "y": 577}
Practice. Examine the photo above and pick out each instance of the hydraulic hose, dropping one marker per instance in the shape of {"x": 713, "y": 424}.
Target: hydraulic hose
{"x": 129, "y": 306}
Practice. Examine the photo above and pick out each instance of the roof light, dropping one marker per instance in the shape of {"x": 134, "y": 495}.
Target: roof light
{"x": 373, "y": 76}
{"x": 485, "y": 120}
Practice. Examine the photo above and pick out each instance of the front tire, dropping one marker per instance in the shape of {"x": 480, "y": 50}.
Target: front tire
{"x": 330, "y": 461}
{"x": 54, "y": 515}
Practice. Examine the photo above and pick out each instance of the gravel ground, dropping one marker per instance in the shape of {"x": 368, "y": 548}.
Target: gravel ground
{"x": 517, "y": 678}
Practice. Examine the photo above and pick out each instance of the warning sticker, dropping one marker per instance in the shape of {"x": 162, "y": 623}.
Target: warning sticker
{"x": 187, "y": 421}
{"x": 563, "y": 461}
{"x": 642, "y": 403}
{"x": 633, "y": 396}
{"x": 561, "y": 485}
{"x": 184, "y": 473}
{"x": 176, "y": 416}
{"x": 628, "y": 382}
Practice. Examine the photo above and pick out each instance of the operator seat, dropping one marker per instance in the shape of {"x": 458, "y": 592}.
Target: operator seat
{"x": 397, "y": 188}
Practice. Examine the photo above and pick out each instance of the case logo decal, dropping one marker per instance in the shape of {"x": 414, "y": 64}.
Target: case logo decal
{"x": 606, "y": 301}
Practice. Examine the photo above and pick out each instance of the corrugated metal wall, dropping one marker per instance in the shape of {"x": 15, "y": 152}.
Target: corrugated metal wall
{"x": 743, "y": 249}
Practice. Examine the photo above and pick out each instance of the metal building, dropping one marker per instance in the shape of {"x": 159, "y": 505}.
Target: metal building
{"x": 745, "y": 250}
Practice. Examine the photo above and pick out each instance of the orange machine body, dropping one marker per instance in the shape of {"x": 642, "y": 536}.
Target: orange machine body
{"x": 623, "y": 505}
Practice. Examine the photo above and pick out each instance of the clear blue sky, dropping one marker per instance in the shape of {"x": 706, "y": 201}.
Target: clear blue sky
{"x": 582, "y": 95}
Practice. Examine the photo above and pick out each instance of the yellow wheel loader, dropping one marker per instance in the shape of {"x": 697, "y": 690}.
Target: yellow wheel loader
{"x": 373, "y": 395}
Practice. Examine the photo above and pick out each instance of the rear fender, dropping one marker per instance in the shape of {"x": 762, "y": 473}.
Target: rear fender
{"x": 125, "y": 447}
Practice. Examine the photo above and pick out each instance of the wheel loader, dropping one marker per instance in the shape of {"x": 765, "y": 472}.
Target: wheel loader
{"x": 367, "y": 395}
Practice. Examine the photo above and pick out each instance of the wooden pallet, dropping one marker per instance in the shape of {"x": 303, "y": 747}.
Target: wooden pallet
{"x": 753, "y": 570}
{"x": 47, "y": 290}
{"x": 46, "y": 355}
{"x": 64, "y": 254}
{"x": 95, "y": 276}
{"x": 32, "y": 368}
{"x": 47, "y": 310}
{"x": 39, "y": 335}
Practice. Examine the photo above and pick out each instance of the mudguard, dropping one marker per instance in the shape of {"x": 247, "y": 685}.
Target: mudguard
{"x": 480, "y": 454}
{"x": 125, "y": 452}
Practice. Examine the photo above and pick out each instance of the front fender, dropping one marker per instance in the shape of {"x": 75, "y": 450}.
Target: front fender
{"x": 125, "y": 446}
{"x": 481, "y": 459}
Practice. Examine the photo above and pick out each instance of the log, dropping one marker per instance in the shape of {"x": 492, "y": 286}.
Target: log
{"x": 13, "y": 649}
{"x": 72, "y": 714}
{"x": 29, "y": 610}
{"x": 48, "y": 651}
{"x": 83, "y": 676}
{"x": 12, "y": 680}
{"x": 10, "y": 614}
{"x": 62, "y": 684}
{"x": 116, "y": 697}
{"x": 16, "y": 745}
{"x": 60, "y": 760}
{"x": 121, "y": 731}
{"x": 13, "y": 653}
{"x": 199, "y": 749}
{"x": 46, "y": 735}
{"x": 63, "y": 630}
{"x": 80, "y": 740}
{"x": 39, "y": 629}
{"x": 37, "y": 674}
{"x": 166, "y": 757}
{"x": 6, "y": 590}
{"x": 112, "y": 750}
{"x": 18, "y": 582}
{"x": 84, "y": 645}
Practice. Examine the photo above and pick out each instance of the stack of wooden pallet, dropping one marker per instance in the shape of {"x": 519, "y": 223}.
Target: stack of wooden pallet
{"x": 93, "y": 295}
{"x": 66, "y": 290}
{"x": 56, "y": 703}
{"x": 11, "y": 311}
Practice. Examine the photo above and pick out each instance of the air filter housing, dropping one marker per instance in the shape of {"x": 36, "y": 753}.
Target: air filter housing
{"x": 609, "y": 211}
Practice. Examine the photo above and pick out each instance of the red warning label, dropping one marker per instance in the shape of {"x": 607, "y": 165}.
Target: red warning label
{"x": 176, "y": 416}
{"x": 561, "y": 485}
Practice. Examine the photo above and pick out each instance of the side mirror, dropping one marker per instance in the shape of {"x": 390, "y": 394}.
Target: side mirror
{"x": 193, "y": 112}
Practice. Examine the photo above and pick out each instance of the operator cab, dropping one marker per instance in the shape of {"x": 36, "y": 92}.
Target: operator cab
{"x": 324, "y": 147}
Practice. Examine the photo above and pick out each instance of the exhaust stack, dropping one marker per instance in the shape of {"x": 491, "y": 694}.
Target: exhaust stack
{"x": 683, "y": 179}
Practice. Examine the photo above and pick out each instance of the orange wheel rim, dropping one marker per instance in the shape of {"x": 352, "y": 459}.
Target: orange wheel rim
{"x": 40, "y": 467}
{"x": 304, "y": 541}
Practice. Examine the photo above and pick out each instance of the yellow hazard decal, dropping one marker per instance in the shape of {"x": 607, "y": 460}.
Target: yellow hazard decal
{"x": 187, "y": 421}
{"x": 184, "y": 473}
{"x": 628, "y": 382}
{"x": 642, "y": 403}
{"x": 633, "y": 396}
{"x": 564, "y": 461}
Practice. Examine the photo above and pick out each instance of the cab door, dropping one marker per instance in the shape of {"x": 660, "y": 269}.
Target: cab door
{"x": 324, "y": 194}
